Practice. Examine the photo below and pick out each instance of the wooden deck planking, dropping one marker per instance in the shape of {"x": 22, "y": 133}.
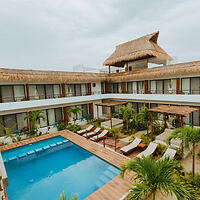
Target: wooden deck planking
{"x": 115, "y": 188}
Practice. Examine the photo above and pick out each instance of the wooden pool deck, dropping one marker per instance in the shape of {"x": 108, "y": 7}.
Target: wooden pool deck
{"x": 115, "y": 188}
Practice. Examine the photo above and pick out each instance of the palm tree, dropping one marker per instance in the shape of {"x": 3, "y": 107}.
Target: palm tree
{"x": 152, "y": 176}
{"x": 127, "y": 113}
{"x": 146, "y": 117}
{"x": 188, "y": 135}
{"x": 74, "y": 110}
{"x": 34, "y": 117}
{"x": 192, "y": 136}
{"x": 115, "y": 134}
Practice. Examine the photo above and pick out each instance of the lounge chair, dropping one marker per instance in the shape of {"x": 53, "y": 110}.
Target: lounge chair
{"x": 99, "y": 136}
{"x": 127, "y": 149}
{"x": 148, "y": 151}
{"x": 169, "y": 153}
{"x": 90, "y": 134}
{"x": 89, "y": 128}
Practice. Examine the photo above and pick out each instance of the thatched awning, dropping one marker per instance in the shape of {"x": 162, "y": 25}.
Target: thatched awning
{"x": 111, "y": 103}
{"x": 143, "y": 47}
{"x": 169, "y": 71}
{"x": 173, "y": 110}
{"x": 38, "y": 76}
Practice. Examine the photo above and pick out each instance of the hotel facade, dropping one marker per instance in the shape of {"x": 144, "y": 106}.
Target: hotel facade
{"x": 141, "y": 76}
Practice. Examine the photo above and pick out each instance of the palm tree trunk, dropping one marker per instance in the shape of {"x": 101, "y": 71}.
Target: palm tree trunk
{"x": 193, "y": 159}
{"x": 154, "y": 195}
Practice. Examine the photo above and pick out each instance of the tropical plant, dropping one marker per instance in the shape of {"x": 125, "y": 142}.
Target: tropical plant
{"x": 62, "y": 126}
{"x": 157, "y": 176}
{"x": 115, "y": 134}
{"x": 192, "y": 136}
{"x": 176, "y": 122}
{"x": 34, "y": 118}
{"x": 72, "y": 197}
{"x": 146, "y": 116}
{"x": 74, "y": 127}
{"x": 188, "y": 135}
{"x": 74, "y": 111}
{"x": 127, "y": 113}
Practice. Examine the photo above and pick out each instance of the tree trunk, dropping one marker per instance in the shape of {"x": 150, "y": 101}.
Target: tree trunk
{"x": 182, "y": 147}
{"x": 153, "y": 195}
{"x": 193, "y": 159}
{"x": 127, "y": 125}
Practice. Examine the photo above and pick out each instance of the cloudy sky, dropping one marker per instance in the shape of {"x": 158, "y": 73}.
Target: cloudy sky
{"x": 60, "y": 34}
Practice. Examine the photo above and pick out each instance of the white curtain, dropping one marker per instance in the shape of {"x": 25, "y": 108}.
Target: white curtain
{"x": 51, "y": 116}
{"x": 153, "y": 87}
{"x": 19, "y": 92}
{"x": 33, "y": 93}
{"x": 134, "y": 87}
{"x": 185, "y": 85}
{"x": 20, "y": 121}
{"x": 56, "y": 90}
{"x": 173, "y": 86}
{"x": 43, "y": 123}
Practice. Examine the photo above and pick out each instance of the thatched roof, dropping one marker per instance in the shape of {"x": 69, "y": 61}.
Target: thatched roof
{"x": 143, "y": 47}
{"x": 168, "y": 71}
{"x": 174, "y": 110}
{"x": 37, "y": 76}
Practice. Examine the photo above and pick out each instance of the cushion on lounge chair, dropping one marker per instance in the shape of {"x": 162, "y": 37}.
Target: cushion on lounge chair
{"x": 131, "y": 146}
{"x": 85, "y": 130}
{"x": 169, "y": 153}
{"x": 99, "y": 136}
{"x": 150, "y": 150}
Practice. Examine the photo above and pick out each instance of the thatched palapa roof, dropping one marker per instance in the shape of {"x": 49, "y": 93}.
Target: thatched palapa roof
{"x": 37, "y": 76}
{"x": 168, "y": 71}
{"x": 143, "y": 47}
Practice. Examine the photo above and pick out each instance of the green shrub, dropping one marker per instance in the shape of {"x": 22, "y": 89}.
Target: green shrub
{"x": 18, "y": 138}
{"x": 74, "y": 127}
{"x": 62, "y": 126}
{"x": 158, "y": 128}
{"x": 187, "y": 177}
{"x": 179, "y": 154}
{"x": 176, "y": 122}
{"x": 3, "y": 143}
{"x": 145, "y": 139}
{"x": 161, "y": 149}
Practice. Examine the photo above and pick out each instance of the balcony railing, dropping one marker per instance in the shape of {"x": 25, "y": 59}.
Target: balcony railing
{"x": 22, "y": 98}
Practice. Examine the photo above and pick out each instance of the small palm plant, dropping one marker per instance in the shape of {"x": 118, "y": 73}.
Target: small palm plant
{"x": 152, "y": 176}
{"x": 74, "y": 111}
{"x": 34, "y": 118}
{"x": 188, "y": 135}
{"x": 127, "y": 112}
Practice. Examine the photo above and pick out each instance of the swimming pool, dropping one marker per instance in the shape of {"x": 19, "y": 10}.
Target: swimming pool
{"x": 62, "y": 166}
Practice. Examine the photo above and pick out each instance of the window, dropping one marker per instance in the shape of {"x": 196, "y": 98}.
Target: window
{"x": 130, "y": 87}
{"x": 51, "y": 116}
{"x": 129, "y": 68}
{"x": 7, "y": 93}
{"x": 93, "y": 84}
{"x": 19, "y": 92}
{"x": 49, "y": 91}
{"x": 58, "y": 115}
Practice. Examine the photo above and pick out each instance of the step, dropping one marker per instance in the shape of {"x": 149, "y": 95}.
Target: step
{"x": 114, "y": 170}
{"x": 104, "y": 179}
{"x": 109, "y": 174}
{"x": 99, "y": 184}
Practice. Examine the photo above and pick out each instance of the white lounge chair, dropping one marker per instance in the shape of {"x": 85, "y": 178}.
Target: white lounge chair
{"x": 127, "y": 149}
{"x": 99, "y": 136}
{"x": 169, "y": 153}
{"x": 81, "y": 132}
{"x": 90, "y": 134}
{"x": 148, "y": 151}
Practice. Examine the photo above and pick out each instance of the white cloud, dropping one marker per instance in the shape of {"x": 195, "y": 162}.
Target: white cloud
{"x": 49, "y": 34}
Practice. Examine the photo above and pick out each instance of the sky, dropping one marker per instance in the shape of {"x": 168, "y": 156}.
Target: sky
{"x": 67, "y": 34}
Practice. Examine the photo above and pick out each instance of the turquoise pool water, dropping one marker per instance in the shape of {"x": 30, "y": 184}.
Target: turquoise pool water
{"x": 47, "y": 171}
